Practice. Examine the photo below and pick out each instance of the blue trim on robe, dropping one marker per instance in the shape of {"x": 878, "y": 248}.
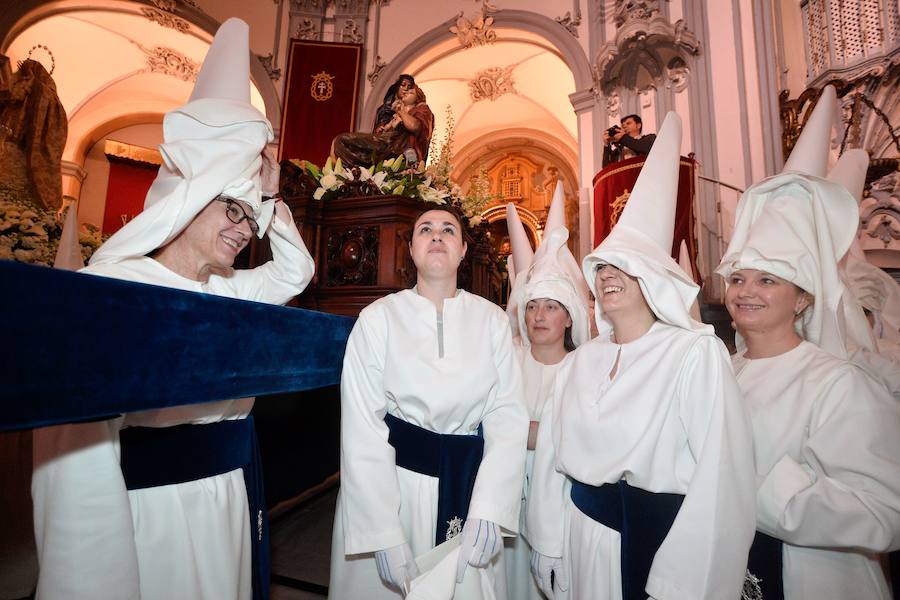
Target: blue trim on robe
{"x": 89, "y": 347}
{"x": 765, "y": 561}
{"x": 642, "y": 518}
{"x": 157, "y": 456}
{"x": 453, "y": 459}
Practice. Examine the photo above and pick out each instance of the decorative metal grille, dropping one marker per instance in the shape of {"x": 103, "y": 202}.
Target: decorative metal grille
{"x": 842, "y": 33}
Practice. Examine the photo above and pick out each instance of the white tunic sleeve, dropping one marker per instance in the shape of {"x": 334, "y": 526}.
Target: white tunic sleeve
{"x": 370, "y": 493}
{"x": 704, "y": 554}
{"x": 497, "y": 493}
{"x": 547, "y": 493}
{"x": 278, "y": 280}
{"x": 845, "y": 492}
{"x": 82, "y": 516}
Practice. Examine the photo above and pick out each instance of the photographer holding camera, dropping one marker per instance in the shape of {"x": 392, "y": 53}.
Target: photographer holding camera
{"x": 626, "y": 141}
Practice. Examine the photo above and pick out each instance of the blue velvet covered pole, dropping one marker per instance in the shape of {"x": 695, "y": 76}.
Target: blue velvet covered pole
{"x": 78, "y": 347}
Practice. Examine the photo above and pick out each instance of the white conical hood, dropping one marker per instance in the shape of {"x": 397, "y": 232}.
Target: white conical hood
{"x": 556, "y": 216}
{"x": 684, "y": 261}
{"x": 810, "y": 153}
{"x": 651, "y": 206}
{"x": 522, "y": 256}
{"x": 870, "y": 287}
{"x": 212, "y": 146}
{"x": 519, "y": 243}
{"x": 640, "y": 244}
{"x": 850, "y": 172}
{"x": 68, "y": 253}
{"x": 550, "y": 276}
{"x": 226, "y": 61}
{"x": 797, "y": 227}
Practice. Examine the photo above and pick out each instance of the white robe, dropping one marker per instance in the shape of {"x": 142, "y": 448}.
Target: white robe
{"x": 827, "y": 444}
{"x": 397, "y": 362}
{"x": 95, "y": 539}
{"x": 671, "y": 421}
{"x": 537, "y": 379}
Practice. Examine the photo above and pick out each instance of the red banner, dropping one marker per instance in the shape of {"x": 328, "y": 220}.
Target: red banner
{"x": 612, "y": 187}
{"x": 320, "y": 98}
{"x": 126, "y": 190}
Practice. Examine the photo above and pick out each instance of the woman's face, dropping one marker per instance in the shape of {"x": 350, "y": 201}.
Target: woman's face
{"x": 761, "y": 302}
{"x": 437, "y": 246}
{"x": 546, "y": 321}
{"x": 618, "y": 292}
{"x": 213, "y": 239}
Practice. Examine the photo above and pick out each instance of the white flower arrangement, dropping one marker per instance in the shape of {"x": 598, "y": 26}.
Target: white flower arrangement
{"x": 393, "y": 176}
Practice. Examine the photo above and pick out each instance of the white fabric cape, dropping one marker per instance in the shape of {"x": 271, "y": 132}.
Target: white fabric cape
{"x": 189, "y": 540}
{"x": 669, "y": 421}
{"x": 393, "y": 364}
{"x": 827, "y": 446}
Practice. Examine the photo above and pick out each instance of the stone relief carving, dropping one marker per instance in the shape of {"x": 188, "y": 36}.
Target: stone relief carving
{"x": 377, "y": 68}
{"x": 476, "y": 32}
{"x": 350, "y": 32}
{"x": 492, "y": 83}
{"x": 168, "y": 5}
{"x": 268, "y": 63}
{"x": 165, "y": 19}
{"x": 880, "y": 217}
{"x": 170, "y": 62}
{"x": 647, "y": 51}
{"x": 634, "y": 10}
{"x": 306, "y": 30}
{"x": 569, "y": 22}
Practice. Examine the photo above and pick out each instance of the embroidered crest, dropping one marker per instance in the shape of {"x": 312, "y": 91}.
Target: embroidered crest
{"x": 618, "y": 206}
{"x": 752, "y": 590}
{"x": 454, "y": 527}
{"x": 321, "y": 88}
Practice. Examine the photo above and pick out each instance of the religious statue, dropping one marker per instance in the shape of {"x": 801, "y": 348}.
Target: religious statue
{"x": 33, "y": 129}
{"x": 403, "y": 126}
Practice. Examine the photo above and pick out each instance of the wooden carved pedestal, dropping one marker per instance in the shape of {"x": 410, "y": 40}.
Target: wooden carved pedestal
{"x": 361, "y": 249}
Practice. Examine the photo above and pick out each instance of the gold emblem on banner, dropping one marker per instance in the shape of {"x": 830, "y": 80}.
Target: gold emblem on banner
{"x": 321, "y": 88}
{"x": 618, "y": 206}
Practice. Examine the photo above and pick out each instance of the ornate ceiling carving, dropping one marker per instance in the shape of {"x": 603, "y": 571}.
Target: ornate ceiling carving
{"x": 168, "y": 61}
{"x": 492, "y": 83}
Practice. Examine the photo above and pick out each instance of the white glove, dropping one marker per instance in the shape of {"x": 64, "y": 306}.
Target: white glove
{"x": 397, "y": 567}
{"x": 480, "y": 543}
{"x": 543, "y": 566}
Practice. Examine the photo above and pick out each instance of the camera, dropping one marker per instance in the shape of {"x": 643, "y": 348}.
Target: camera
{"x": 615, "y": 129}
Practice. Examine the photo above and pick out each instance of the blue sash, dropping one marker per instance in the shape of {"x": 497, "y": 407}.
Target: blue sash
{"x": 765, "y": 563}
{"x": 642, "y": 518}
{"x": 453, "y": 459}
{"x": 157, "y": 456}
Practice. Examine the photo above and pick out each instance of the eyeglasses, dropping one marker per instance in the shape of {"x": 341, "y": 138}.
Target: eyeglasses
{"x": 235, "y": 213}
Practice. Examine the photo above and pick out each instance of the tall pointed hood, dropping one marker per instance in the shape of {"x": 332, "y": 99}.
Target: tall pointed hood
{"x": 551, "y": 276}
{"x": 641, "y": 241}
{"x": 797, "y": 226}
{"x": 522, "y": 255}
{"x": 810, "y": 153}
{"x": 556, "y": 216}
{"x": 211, "y": 146}
{"x": 68, "y": 253}
{"x": 871, "y": 287}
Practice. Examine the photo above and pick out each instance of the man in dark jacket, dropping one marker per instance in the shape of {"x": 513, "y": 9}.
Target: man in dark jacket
{"x": 626, "y": 141}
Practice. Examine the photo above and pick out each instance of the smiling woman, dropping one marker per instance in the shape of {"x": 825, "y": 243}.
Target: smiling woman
{"x": 826, "y": 435}
{"x": 643, "y": 448}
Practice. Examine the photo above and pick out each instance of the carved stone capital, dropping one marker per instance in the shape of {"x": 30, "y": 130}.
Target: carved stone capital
{"x": 648, "y": 51}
